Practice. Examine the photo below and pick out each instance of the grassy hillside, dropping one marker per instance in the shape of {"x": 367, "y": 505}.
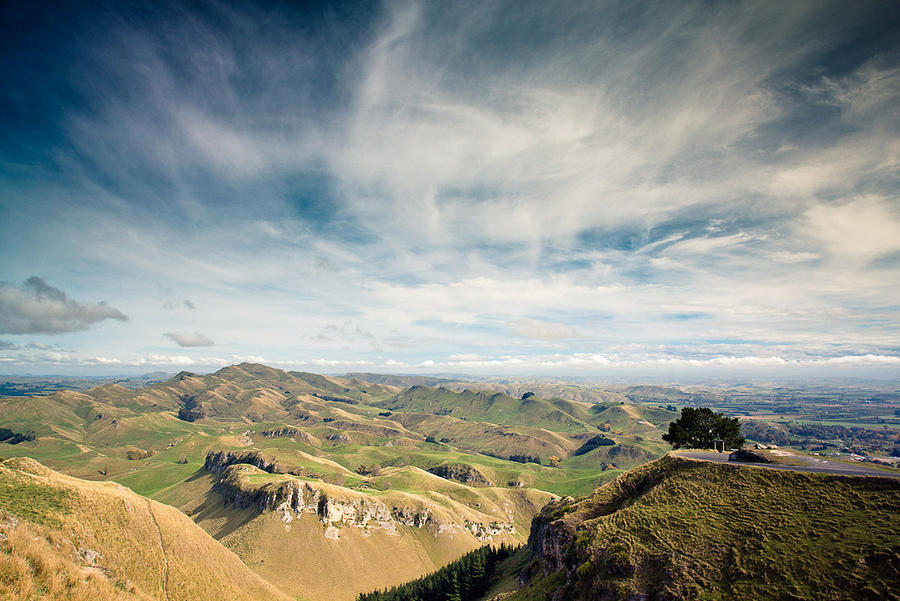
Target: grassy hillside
{"x": 680, "y": 529}
{"x": 328, "y": 542}
{"x": 34, "y": 565}
{"x": 368, "y": 439}
{"x": 66, "y": 538}
{"x": 496, "y": 408}
{"x": 330, "y": 426}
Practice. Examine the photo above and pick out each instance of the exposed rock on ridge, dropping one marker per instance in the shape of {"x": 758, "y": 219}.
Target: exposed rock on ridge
{"x": 461, "y": 473}
{"x": 334, "y": 508}
{"x": 217, "y": 461}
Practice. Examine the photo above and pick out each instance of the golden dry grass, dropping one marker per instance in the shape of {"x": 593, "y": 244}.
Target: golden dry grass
{"x": 109, "y": 534}
{"x": 301, "y": 561}
{"x": 36, "y": 564}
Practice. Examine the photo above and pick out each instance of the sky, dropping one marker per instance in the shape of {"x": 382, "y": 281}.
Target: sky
{"x": 522, "y": 188}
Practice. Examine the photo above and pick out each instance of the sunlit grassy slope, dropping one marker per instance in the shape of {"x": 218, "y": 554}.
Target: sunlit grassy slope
{"x": 67, "y": 538}
{"x": 92, "y": 434}
{"x": 367, "y": 438}
{"x": 680, "y": 529}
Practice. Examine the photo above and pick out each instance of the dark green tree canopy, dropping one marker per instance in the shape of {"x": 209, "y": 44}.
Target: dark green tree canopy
{"x": 698, "y": 427}
{"x": 466, "y": 579}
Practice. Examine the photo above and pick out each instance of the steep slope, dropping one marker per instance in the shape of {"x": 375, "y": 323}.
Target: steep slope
{"x": 680, "y": 529}
{"x": 103, "y": 537}
{"x": 330, "y": 542}
{"x": 34, "y": 565}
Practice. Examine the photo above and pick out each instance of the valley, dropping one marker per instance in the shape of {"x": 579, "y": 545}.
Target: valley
{"x": 328, "y": 487}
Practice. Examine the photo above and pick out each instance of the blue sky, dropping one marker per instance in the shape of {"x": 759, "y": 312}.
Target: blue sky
{"x": 537, "y": 188}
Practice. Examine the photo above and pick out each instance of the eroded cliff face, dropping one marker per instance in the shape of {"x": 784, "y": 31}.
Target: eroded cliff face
{"x": 217, "y": 461}
{"x": 459, "y": 472}
{"x": 292, "y": 497}
{"x": 550, "y": 536}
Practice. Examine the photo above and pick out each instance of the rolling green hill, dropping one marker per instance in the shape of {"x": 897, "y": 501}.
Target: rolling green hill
{"x": 325, "y": 487}
{"x": 358, "y": 439}
{"x": 680, "y": 529}
{"x": 105, "y": 432}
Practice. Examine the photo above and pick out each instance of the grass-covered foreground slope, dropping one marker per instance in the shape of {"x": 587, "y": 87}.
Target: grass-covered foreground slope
{"x": 681, "y": 529}
{"x": 64, "y": 538}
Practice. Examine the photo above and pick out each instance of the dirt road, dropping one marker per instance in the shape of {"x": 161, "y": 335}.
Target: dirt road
{"x": 813, "y": 464}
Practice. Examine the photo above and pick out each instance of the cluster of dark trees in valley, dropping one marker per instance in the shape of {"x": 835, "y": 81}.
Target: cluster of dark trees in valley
{"x": 465, "y": 579}
{"x": 10, "y": 437}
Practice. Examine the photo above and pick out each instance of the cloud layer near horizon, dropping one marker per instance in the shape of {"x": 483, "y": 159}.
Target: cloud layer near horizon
{"x": 531, "y": 186}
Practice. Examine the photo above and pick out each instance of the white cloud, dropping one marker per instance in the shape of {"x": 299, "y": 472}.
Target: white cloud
{"x": 534, "y": 328}
{"x": 37, "y": 307}
{"x": 859, "y": 230}
{"x": 784, "y": 256}
{"x": 189, "y": 339}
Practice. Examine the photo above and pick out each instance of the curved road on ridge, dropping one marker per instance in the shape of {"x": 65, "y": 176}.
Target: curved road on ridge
{"x": 822, "y": 466}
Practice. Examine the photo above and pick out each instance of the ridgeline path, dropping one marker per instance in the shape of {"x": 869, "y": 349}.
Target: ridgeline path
{"x": 813, "y": 464}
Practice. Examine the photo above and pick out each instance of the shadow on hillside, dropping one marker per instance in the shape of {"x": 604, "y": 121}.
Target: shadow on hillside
{"x": 200, "y": 473}
{"x": 218, "y": 518}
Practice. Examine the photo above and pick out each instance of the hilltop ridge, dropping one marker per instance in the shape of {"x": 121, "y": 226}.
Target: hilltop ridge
{"x": 681, "y": 529}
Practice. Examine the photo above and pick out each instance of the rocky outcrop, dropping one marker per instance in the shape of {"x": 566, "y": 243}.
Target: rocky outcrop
{"x": 460, "y": 472}
{"x": 484, "y": 532}
{"x": 292, "y": 433}
{"x": 549, "y": 536}
{"x": 191, "y": 409}
{"x": 748, "y": 456}
{"x": 292, "y": 498}
{"x": 301, "y": 497}
{"x": 287, "y": 432}
{"x": 217, "y": 461}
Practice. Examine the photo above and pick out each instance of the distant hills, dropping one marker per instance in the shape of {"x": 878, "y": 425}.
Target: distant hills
{"x": 32, "y": 385}
{"x": 324, "y": 487}
{"x": 416, "y": 475}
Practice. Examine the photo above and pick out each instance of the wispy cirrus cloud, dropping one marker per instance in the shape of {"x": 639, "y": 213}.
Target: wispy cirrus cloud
{"x": 509, "y": 179}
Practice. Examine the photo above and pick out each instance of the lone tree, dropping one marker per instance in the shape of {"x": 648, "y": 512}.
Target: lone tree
{"x": 698, "y": 428}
